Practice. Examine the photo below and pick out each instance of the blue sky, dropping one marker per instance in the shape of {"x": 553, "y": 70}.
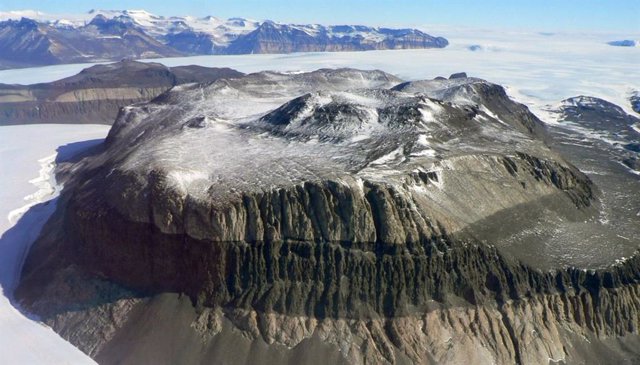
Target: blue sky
{"x": 599, "y": 15}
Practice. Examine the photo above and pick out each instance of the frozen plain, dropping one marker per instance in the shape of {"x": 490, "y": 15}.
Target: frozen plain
{"x": 538, "y": 69}
{"x": 27, "y": 156}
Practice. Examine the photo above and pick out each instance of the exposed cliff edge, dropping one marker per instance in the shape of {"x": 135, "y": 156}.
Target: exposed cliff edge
{"x": 325, "y": 216}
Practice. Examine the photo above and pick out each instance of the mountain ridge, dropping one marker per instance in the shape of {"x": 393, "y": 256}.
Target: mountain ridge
{"x": 113, "y": 35}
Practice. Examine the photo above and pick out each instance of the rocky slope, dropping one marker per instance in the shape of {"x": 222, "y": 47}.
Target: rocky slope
{"x": 337, "y": 216}
{"x": 114, "y": 35}
{"x": 97, "y": 93}
{"x": 594, "y": 117}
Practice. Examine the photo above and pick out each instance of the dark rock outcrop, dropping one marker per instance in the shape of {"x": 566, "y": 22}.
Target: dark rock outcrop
{"x": 459, "y": 75}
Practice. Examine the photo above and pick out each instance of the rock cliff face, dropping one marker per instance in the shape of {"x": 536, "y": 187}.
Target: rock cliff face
{"x": 327, "y": 215}
{"x": 271, "y": 37}
{"x": 97, "y": 93}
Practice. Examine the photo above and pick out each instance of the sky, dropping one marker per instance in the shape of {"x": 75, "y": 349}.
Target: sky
{"x": 552, "y": 15}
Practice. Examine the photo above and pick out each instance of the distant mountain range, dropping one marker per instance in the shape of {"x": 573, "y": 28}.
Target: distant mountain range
{"x": 30, "y": 38}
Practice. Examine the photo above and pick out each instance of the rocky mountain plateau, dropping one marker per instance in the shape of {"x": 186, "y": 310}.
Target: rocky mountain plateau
{"x": 340, "y": 216}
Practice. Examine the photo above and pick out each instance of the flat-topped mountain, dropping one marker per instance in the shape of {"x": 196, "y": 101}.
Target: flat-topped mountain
{"x": 335, "y": 215}
{"x": 114, "y": 35}
{"x": 96, "y": 94}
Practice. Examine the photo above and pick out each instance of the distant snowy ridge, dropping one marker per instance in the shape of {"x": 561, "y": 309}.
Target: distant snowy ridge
{"x": 34, "y": 38}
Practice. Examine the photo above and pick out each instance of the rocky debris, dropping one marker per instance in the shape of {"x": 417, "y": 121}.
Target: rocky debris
{"x": 97, "y": 93}
{"x": 330, "y": 212}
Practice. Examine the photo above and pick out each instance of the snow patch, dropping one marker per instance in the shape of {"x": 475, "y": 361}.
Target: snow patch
{"x": 184, "y": 178}
{"x": 392, "y": 156}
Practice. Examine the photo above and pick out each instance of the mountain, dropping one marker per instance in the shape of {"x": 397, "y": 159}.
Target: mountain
{"x": 97, "y": 93}
{"x": 616, "y": 132}
{"x": 331, "y": 216}
{"x": 271, "y": 37}
{"x": 597, "y": 114}
{"x": 624, "y": 43}
{"x": 29, "y": 43}
{"x": 114, "y": 35}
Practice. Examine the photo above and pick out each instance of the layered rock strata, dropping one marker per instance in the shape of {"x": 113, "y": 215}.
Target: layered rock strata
{"x": 298, "y": 218}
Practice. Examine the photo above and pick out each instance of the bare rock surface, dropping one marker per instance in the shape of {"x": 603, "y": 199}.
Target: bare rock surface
{"x": 336, "y": 216}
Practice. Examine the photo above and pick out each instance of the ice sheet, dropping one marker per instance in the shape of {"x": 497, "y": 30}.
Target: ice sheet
{"x": 26, "y": 181}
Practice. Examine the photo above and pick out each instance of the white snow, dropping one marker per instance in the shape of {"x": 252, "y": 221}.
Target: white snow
{"x": 392, "y": 156}
{"x": 430, "y": 110}
{"x": 186, "y": 177}
{"x": 25, "y": 181}
{"x": 45, "y": 188}
{"x": 537, "y": 70}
